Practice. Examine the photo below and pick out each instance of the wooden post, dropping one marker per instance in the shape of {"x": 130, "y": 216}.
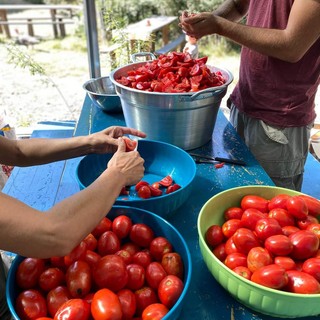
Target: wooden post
{"x": 30, "y": 28}
{"x": 62, "y": 28}
{"x": 3, "y": 17}
{"x": 53, "y": 13}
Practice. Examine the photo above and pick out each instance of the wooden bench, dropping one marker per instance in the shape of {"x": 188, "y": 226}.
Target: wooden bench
{"x": 56, "y": 19}
{"x": 173, "y": 45}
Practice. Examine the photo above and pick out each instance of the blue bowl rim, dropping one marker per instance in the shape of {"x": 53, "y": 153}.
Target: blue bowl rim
{"x": 177, "y": 192}
{"x": 187, "y": 281}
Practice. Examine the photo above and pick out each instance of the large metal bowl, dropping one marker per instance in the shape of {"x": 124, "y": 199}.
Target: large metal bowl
{"x": 186, "y": 120}
{"x": 103, "y": 94}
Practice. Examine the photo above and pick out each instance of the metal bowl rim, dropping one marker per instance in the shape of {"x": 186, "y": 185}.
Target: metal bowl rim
{"x": 84, "y": 86}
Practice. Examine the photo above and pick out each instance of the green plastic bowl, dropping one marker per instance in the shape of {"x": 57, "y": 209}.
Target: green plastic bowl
{"x": 254, "y": 296}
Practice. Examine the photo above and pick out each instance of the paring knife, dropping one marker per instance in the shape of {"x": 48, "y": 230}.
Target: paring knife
{"x": 209, "y": 159}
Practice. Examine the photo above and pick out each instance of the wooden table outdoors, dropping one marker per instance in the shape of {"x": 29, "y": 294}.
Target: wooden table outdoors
{"x": 53, "y": 18}
{"x": 43, "y": 186}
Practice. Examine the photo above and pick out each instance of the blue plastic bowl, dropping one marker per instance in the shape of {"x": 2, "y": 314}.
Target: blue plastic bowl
{"x": 161, "y": 159}
{"x": 160, "y": 227}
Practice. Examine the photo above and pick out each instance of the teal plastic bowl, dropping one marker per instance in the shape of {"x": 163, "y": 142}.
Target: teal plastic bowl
{"x": 160, "y": 226}
{"x": 161, "y": 159}
{"x": 271, "y": 302}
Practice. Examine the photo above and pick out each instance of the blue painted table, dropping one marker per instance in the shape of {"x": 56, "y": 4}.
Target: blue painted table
{"x": 206, "y": 299}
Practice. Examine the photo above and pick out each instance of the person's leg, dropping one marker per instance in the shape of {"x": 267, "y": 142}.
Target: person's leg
{"x": 282, "y": 152}
{"x": 4, "y": 310}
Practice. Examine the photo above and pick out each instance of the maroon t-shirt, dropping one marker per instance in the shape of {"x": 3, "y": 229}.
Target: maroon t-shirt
{"x": 277, "y": 92}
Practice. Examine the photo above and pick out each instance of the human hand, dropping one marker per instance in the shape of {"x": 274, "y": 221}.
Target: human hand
{"x": 198, "y": 25}
{"x": 106, "y": 141}
{"x": 130, "y": 164}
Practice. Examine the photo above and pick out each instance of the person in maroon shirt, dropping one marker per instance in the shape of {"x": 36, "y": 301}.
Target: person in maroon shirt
{"x": 273, "y": 104}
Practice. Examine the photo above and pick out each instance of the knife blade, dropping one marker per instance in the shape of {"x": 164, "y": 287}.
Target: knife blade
{"x": 208, "y": 159}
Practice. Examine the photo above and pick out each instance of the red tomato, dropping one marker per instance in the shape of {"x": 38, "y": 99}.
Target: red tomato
{"x": 58, "y": 262}
{"x": 233, "y": 213}
{"x": 305, "y": 244}
{"x": 78, "y": 253}
{"x": 285, "y": 262}
{"x": 56, "y": 298}
{"x": 279, "y": 245}
{"x": 144, "y": 192}
{"x": 141, "y": 184}
{"x": 169, "y": 290}
{"x": 235, "y": 259}
{"x": 257, "y": 258}
{"x": 144, "y": 297}
{"x": 166, "y": 181}
{"x": 312, "y": 203}
{"x": 125, "y": 255}
{"x": 297, "y": 207}
{"x": 28, "y": 272}
{"x": 108, "y": 243}
{"x": 301, "y": 282}
{"x": 110, "y": 272}
{"x": 303, "y": 224}
{"x": 136, "y": 276}
{"x": 230, "y": 227}
{"x": 254, "y": 202}
{"x": 312, "y": 267}
{"x": 278, "y": 201}
{"x": 220, "y": 251}
{"x": 106, "y": 305}
{"x": 92, "y": 257}
{"x": 91, "y": 242}
{"x": 156, "y": 185}
{"x": 243, "y": 272}
{"x": 267, "y": 227}
{"x": 315, "y": 228}
{"x": 230, "y": 247}
{"x": 173, "y": 188}
{"x": 79, "y": 279}
{"x": 154, "y": 274}
{"x": 244, "y": 240}
{"x": 271, "y": 276}
{"x": 128, "y": 303}
{"x": 143, "y": 258}
{"x": 282, "y": 216}
{"x": 130, "y": 144}
{"x": 287, "y": 230}
{"x": 214, "y": 235}
{"x": 173, "y": 264}
{"x": 131, "y": 247}
{"x": 121, "y": 226}
{"x": 155, "y": 311}
{"x": 250, "y": 217}
{"x": 30, "y": 304}
{"x": 51, "y": 278}
{"x": 74, "y": 309}
{"x": 141, "y": 234}
{"x": 159, "y": 246}
{"x": 104, "y": 225}
{"x": 44, "y": 318}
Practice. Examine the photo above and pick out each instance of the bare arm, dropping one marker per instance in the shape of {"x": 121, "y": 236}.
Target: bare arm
{"x": 290, "y": 44}
{"x": 56, "y": 232}
{"x": 27, "y": 152}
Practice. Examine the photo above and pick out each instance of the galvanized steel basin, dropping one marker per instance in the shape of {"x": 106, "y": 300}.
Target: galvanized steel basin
{"x": 186, "y": 120}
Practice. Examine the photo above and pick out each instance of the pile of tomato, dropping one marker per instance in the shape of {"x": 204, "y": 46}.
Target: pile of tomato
{"x": 120, "y": 271}
{"x": 174, "y": 72}
{"x": 274, "y": 243}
